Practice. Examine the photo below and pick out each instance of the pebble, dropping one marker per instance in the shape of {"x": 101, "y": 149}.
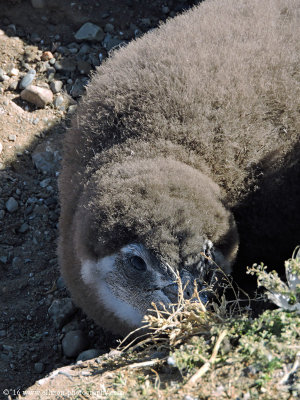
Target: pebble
{"x": 89, "y": 354}
{"x": 73, "y": 343}
{"x": 27, "y": 79}
{"x": 72, "y": 109}
{"x": 24, "y": 228}
{"x": 73, "y": 325}
{"x": 171, "y": 361}
{"x": 60, "y": 283}
{"x": 3, "y": 75}
{"x": 13, "y": 85}
{"x": 110, "y": 42}
{"x": 59, "y": 100}
{"x": 1, "y": 147}
{"x": 56, "y": 86}
{"x": 60, "y": 310}
{"x": 35, "y": 37}
{"x": 45, "y": 182}
{"x": 37, "y": 95}
{"x": 78, "y": 88}
{"x": 165, "y": 9}
{"x": 12, "y": 138}
{"x": 109, "y": 28}
{"x": 11, "y": 30}
{"x": 84, "y": 49}
{"x": 39, "y": 367}
{"x": 13, "y": 72}
{"x": 46, "y": 56}
{"x": 146, "y": 21}
{"x": 38, "y": 3}
{"x": 90, "y": 32}
{"x": 11, "y": 205}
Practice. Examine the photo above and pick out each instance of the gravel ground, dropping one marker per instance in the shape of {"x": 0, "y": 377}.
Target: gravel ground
{"x": 48, "y": 49}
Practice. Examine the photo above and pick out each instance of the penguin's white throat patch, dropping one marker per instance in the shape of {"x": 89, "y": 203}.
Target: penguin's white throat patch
{"x": 94, "y": 274}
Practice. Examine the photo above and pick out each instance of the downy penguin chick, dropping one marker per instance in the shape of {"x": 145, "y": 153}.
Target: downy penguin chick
{"x": 175, "y": 134}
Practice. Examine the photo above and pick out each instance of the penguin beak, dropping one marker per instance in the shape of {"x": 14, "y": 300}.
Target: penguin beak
{"x": 188, "y": 287}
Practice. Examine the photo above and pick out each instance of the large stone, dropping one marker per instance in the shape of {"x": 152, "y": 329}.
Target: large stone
{"x": 60, "y": 310}
{"x": 74, "y": 343}
{"x": 90, "y": 32}
{"x": 37, "y": 95}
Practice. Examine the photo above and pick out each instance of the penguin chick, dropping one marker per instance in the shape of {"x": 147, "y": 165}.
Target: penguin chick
{"x": 175, "y": 136}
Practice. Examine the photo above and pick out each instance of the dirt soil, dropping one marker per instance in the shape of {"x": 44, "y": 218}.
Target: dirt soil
{"x": 30, "y": 344}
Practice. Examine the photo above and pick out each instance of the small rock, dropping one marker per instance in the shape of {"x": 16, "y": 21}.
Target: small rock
{"x": 56, "y": 86}
{"x": 171, "y": 361}
{"x": 72, "y": 109}
{"x": 13, "y": 85}
{"x": 11, "y": 205}
{"x": 27, "y": 79}
{"x": 12, "y": 138}
{"x": 45, "y": 182}
{"x": 11, "y": 30}
{"x": 1, "y": 147}
{"x": 60, "y": 310}
{"x": 35, "y": 37}
{"x": 84, "y": 49}
{"x": 110, "y": 42}
{"x": 17, "y": 264}
{"x": 24, "y": 228}
{"x": 3, "y": 259}
{"x": 13, "y": 72}
{"x": 37, "y": 95}
{"x": 3, "y": 75}
{"x": 38, "y": 3}
{"x": 78, "y": 88}
{"x": 90, "y": 32}
{"x": 89, "y": 354}
{"x": 60, "y": 283}
{"x": 44, "y": 161}
{"x": 46, "y": 56}
{"x": 58, "y": 101}
{"x": 73, "y": 325}
{"x": 165, "y": 9}
{"x": 146, "y": 21}
{"x": 109, "y": 28}
{"x": 39, "y": 367}
{"x": 74, "y": 343}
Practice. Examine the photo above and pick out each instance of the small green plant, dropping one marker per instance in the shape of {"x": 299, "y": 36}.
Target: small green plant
{"x": 284, "y": 295}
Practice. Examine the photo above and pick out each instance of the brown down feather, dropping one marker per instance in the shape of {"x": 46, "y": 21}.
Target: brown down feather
{"x": 192, "y": 123}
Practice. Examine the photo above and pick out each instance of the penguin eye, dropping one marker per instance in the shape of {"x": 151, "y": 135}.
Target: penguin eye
{"x": 138, "y": 263}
